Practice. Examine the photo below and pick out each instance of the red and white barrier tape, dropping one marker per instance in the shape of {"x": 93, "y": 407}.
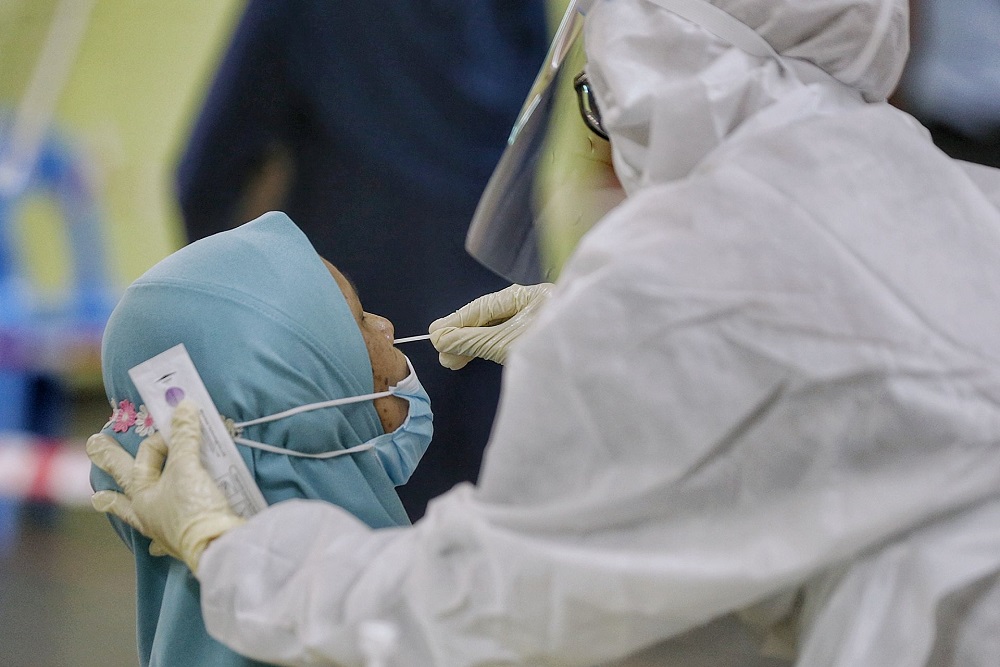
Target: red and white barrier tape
{"x": 45, "y": 470}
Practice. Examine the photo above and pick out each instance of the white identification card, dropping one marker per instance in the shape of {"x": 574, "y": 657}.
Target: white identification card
{"x": 171, "y": 376}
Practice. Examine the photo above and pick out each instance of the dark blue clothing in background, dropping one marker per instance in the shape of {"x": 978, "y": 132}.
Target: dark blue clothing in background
{"x": 393, "y": 115}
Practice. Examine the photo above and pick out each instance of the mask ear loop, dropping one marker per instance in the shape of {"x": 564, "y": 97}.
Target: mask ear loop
{"x": 238, "y": 427}
{"x": 310, "y": 407}
{"x": 302, "y": 455}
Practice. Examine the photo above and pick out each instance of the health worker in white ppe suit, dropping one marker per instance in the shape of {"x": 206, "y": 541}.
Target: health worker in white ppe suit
{"x": 757, "y": 421}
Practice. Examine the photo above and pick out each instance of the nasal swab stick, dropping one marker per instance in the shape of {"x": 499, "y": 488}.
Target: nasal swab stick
{"x": 410, "y": 339}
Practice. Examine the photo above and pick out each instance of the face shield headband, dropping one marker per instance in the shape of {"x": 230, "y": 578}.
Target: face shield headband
{"x": 501, "y": 235}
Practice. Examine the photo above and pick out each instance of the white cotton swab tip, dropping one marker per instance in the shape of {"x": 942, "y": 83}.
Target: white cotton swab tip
{"x": 410, "y": 339}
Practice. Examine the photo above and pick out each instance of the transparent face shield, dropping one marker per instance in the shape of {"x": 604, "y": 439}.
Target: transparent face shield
{"x": 554, "y": 179}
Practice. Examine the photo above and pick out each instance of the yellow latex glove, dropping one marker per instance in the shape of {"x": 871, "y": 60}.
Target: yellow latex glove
{"x": 168, "y": 495}
{"x": 486, "y": 327}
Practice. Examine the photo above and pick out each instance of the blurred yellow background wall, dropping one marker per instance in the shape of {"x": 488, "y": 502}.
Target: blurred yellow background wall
{"x": 127, "y": 105}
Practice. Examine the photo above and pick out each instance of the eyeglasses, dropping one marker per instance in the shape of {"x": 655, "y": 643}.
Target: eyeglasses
{"x": 588, "y": 105}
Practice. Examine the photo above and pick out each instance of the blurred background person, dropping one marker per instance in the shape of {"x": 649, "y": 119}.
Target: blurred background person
{"x": 952, "y": 79}
{"x": 375, "y": 126}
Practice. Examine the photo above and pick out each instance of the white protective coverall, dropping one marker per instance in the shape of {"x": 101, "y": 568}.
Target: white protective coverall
{"x": 760, "y": 412}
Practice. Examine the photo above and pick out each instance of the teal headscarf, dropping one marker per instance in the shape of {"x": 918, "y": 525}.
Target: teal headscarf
{"x": 268, "y": 329}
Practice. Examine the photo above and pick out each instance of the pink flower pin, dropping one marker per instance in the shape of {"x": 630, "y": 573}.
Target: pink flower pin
{"x": 123, "y": 417}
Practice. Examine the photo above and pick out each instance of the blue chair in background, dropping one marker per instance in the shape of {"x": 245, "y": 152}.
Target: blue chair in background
{"x": 43, "y": 340}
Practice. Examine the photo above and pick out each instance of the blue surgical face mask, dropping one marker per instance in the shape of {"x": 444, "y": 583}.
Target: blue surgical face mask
{"x": 398, "y": 451}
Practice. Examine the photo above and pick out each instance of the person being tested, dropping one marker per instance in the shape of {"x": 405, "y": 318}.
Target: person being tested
{"x": 758, "y": 418}
{"x": 264, "y": 339}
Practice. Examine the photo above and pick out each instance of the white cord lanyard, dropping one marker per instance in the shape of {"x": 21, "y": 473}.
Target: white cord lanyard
{"x": 723, "y": 25}
{"x": 727, "y": 27}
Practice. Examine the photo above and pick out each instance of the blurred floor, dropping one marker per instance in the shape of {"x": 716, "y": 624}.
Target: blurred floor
{"x": 67, "y": 585}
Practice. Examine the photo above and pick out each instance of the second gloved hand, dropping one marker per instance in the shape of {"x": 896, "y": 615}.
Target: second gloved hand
{"x": 486, "y": 327}
{"x": 168, "y": 495}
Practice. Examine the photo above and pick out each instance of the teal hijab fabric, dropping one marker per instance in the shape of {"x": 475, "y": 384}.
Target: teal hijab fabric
{"x": 268, "y": 329}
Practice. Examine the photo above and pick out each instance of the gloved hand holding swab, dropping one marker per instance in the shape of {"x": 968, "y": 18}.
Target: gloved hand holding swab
{"x": 487, "y": 326}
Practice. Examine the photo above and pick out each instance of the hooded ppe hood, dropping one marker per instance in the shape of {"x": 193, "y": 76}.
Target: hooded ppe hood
{"x": 670, "y": 89}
